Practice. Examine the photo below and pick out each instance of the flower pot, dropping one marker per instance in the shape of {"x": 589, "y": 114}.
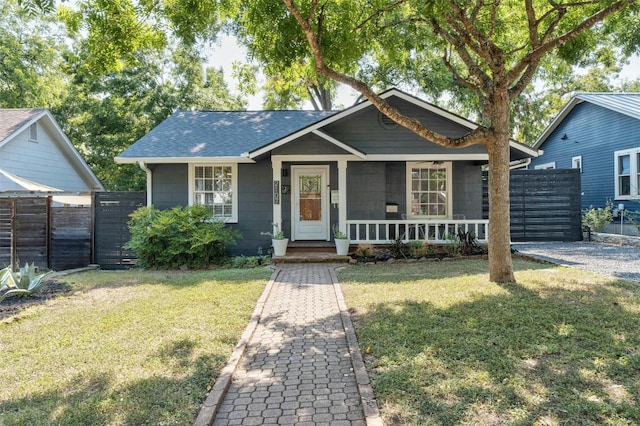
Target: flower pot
{"x": 280, "y": 246}
{"x": 342, "y": 247}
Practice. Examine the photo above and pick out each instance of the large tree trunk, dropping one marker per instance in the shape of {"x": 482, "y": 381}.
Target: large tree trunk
{"x": 500, "y": 265}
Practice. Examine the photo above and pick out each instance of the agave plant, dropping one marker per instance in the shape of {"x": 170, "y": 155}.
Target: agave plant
{"x": 23, "y": 283}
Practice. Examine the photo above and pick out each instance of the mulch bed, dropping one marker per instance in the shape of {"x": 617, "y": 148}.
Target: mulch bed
{"x": 13, "y": 305}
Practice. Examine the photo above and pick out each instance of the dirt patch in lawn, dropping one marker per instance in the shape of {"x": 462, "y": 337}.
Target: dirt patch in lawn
{"x": 13, "y": 305}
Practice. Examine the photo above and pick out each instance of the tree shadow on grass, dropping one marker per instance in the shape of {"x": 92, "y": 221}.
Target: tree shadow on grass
{"x": 552, "y": 356}
{"x": 92, "y": 398}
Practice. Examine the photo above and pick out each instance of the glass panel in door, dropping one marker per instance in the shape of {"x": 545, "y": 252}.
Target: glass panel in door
{"x": 310, "y": 197}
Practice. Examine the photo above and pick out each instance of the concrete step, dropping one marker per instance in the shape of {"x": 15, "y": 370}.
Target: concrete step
{"x": 310, "y": 257}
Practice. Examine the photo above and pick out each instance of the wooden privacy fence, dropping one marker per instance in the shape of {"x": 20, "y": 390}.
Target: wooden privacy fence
{"x": 32, "y": 230}
{"x": 111, "y": 232}
{"x": 545, "y": 205}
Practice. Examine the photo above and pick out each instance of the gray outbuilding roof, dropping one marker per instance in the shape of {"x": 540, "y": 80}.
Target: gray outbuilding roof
{"x": 194, "y": 134}
{"x": 623, "y": 103}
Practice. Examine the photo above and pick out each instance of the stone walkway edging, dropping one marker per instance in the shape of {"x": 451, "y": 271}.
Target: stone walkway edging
{"x": 210, "y": 406}
{"x": 369, "y": 404}
{"x": 209, "y": 409}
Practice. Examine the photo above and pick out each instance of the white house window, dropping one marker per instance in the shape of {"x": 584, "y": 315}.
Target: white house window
{"x": 627, "y": 173}
{"x": 216, "y": 186}
{"x": 33, "y": 132}
{"x": 545, "y": 166}
{"x": 576, "y": 162}
{"x": 429, "y": 189}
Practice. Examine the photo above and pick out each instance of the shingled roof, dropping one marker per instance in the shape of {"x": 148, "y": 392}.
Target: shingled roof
{"x": 12, "y": 120}
{"x": 194, "y": 134}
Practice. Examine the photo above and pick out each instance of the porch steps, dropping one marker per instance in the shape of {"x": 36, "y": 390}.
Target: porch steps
{"x": 310, "y": 252}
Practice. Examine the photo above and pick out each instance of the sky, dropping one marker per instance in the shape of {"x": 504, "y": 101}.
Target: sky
{"x": 227, "y": 51}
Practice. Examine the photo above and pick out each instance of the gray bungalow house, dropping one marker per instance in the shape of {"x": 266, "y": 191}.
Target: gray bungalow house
{"x": 310, "y": 171}
{"x": 597, "y": 133}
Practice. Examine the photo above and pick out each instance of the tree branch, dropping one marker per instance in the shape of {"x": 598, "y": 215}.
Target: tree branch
{"x": 458, "y": 44}
{"x": 378, "y": 12}
{"x": 479, "y": 135}
{"x": 538, "y": 52}
{"x": 532, "y": 23}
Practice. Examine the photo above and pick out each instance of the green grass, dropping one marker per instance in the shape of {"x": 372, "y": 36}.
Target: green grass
{"x": 124, "y": 348}
{"x": 445, "y": 346}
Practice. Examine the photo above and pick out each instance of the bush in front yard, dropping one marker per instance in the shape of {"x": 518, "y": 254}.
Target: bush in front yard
{"x": 179, "y": 237}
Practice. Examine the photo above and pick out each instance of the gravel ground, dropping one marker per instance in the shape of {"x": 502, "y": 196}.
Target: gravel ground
{"x": 614, "y": 260}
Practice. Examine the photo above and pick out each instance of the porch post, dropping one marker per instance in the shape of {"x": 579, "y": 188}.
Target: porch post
{"x": 342, "y": 195}
{"x": 277, "y": 194}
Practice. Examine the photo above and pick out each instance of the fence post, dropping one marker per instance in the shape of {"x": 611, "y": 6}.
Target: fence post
{"x": 12, "y": 256}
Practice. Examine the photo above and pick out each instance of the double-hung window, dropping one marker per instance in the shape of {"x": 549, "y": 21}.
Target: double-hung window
{"x": 627, "y": 174}
{"x": 429, "y": 189}
{"x": 215, "y": 186}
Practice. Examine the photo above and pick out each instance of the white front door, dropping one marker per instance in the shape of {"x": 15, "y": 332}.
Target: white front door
{"x": 310, "y": 204}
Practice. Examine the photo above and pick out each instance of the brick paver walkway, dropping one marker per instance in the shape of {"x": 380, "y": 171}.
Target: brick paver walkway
{"x": 298, "y": 367}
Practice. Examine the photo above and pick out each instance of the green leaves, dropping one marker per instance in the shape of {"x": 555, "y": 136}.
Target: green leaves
{"x": 24, "y": 283}
{"x": 30, "y": 60}
{"x": 179, "y": 237}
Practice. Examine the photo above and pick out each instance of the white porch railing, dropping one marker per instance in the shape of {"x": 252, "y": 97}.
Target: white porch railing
{"x": 387, "y": 231}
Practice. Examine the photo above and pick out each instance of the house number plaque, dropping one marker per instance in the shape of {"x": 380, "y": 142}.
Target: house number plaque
{"x": 276, "y": 192}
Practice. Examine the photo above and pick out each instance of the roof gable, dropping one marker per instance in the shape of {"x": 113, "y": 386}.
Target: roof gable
{"x": 520, "y": 150}
{"x": 622, "y": 103}
{"x": 14, "y": 122}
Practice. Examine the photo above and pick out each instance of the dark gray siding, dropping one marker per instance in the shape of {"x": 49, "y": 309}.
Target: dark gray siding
{"x": 170, "y": 185}
{"x": 396, "y": 187}
{"x": 366, "y": 191}
{"x": 595, "y": 133}
{"x": 467, "y": 189}
{"x": 255, "y": 212}
{"x": 363, "y": 131}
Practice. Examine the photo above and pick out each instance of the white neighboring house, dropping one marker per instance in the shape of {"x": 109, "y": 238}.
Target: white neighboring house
{"x": 36, "y": 157}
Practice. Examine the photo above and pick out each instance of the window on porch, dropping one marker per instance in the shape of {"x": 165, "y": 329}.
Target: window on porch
{"x": 428, "y": 189}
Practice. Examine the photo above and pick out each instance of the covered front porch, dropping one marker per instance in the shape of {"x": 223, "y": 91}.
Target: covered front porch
{"x": 377, "y": 202}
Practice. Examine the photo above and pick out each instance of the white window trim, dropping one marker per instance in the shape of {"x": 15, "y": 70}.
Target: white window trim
{"x": 577, "y": 158}
{"x": 33, "y": 132}
{"x": 545, "y": 166}
{"x": 422, "y": 164}
{"x": 234, "y": 187}
{"x": 634, "y": 169}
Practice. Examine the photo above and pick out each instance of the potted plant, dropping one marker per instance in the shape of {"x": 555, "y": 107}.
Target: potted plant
{"x": 342, "y": 241}
{"x": 278, "y": 241}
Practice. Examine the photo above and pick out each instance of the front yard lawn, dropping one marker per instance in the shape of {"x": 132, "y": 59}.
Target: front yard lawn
{"x": 445, "y": 346}
{"x": 128, "y": 347}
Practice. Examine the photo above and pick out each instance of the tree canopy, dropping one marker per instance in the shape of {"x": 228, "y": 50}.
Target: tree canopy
{"x": 109, "y": 80}
{"x": 31, "y": 68}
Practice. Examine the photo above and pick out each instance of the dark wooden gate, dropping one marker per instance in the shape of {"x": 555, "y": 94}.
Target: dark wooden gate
{"x": 545, "y": 205}
{"x": 70, "y": 238}
{"x": 111, "y": 233}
